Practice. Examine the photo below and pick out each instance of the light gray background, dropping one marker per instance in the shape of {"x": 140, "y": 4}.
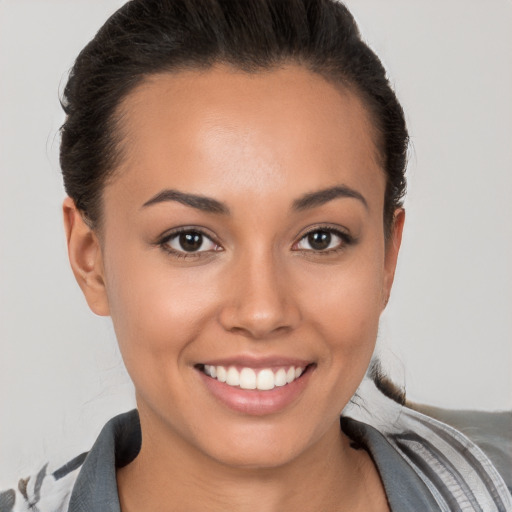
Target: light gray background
{"x": 448, "y": 328}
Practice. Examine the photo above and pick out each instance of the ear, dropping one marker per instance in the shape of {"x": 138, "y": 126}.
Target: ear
{"x": 392, "y": 248}
{"x": 85, "y": 257}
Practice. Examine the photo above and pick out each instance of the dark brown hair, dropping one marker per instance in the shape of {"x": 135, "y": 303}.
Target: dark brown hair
{"x": 145, "y": 37}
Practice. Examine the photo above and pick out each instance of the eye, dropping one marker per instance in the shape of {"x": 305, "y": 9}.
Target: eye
{"x": 188, "y": 242}
{"x": 323, "y": 240}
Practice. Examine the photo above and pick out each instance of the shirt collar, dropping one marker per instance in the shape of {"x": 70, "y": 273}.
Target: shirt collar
{"x": 404, "y": 488}
{"x": 119, "y": 442}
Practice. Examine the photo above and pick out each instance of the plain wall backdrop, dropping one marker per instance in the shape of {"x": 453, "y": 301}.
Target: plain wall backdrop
{"x": 447, "y": 331}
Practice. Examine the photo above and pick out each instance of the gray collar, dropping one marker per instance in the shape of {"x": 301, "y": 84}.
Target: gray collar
{"x": 119, "y": 442}
{"x": 404, "y": 488}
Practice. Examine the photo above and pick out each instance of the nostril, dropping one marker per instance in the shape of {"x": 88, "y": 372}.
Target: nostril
{"x": 249, "y": 320}
{"x": 258, "y": 302}
{"x": 259, "y": 329}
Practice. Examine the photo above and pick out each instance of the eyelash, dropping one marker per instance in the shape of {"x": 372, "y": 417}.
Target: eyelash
{"x": 164, "y": 243}
{"x": 345, "y": 241}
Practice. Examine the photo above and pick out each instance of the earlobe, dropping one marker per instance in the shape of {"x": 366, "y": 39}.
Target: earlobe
{"x": 85, "y": 257}
{"x": 392, "y": 250}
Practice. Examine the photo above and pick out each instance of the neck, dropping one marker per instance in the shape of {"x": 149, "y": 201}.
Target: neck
{"x": 169, "y": 475}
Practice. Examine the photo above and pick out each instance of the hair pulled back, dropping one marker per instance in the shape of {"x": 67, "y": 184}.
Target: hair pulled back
{"x": 145, "y": 37}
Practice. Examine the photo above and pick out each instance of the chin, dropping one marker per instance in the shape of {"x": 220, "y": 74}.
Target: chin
{"x": 258, "y": 447}
{"x": 254, "y": 456}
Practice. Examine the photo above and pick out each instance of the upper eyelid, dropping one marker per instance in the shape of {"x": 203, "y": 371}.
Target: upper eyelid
{"x": 344, "y": 232}
{"x": 171, "y": 233}
{"x": 346, "y": 239}
{"x": 163, "y": 242}
{"x": 336, "y": 229}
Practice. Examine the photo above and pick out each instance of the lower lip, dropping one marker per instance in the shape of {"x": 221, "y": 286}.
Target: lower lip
{"x": 254, "y": 402}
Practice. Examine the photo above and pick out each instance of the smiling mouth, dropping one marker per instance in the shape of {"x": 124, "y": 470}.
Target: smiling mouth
{"x": 261, "y": 379}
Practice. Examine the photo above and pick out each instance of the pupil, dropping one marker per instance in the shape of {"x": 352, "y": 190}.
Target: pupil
{"x": 191, "y": 241}
{"x": 319, "y": 240}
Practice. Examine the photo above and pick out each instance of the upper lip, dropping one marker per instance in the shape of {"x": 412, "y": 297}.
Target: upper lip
{"x": 258, "y": 361}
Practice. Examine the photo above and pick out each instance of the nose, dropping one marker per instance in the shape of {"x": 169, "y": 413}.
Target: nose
{"x": 260, "y": 300}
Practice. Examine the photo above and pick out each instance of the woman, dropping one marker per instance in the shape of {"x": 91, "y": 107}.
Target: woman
{"x": 235, "y": 174}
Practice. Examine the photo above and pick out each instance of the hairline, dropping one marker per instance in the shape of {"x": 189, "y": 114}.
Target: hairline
{"x": 119, "y": 131}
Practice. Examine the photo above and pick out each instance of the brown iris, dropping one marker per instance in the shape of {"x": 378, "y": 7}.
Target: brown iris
{"x": 319, "y": 240}
{"x": 191, "y": 241}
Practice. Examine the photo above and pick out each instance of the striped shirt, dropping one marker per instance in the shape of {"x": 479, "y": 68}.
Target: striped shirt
{"x": 424, "y": 464}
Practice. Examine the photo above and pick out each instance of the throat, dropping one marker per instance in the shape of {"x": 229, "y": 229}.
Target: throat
{"x": 319, "y": 479}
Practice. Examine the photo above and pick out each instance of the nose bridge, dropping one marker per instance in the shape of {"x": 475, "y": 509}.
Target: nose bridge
{"x": 260, "y": 300}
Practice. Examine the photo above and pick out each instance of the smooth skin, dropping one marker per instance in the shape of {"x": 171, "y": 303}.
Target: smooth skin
{"x": 256, "y": 144}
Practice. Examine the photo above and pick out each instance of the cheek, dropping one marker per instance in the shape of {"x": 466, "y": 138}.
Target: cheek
{"x": 344, "y": 306}
{"x": 156, "y": 308}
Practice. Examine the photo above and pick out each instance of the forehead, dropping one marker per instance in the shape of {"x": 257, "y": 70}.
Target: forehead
{"x": 223, "y": 130}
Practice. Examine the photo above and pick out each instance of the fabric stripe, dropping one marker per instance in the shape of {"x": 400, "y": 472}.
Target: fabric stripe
{"x": 443, "y": 474}
{"x": 7, "y": 500}
{"x": 70, "y": 466}
{"x": 475, "y": 463}
{"x": 37, "y": 487}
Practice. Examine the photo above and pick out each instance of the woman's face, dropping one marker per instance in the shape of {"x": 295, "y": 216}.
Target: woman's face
{"x": 243, "y": 231}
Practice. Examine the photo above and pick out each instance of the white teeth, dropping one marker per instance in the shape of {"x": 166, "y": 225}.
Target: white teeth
{"x": 280, "y": 378}
{"x": 266, "y": 380}
{"x": 247, "y": 378}
{"x": 233, "y": 377}
{"x": 221, "y": 374}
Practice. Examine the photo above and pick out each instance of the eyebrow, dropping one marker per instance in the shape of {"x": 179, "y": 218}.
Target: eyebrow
{"x": 320, "y": 197}
{"x": 209, "y": 205}
{"x": 205, "y": 204}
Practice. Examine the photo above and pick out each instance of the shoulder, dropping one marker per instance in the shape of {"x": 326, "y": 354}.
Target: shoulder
{"x": 456, "y": 471}
{"x": 86, "y": 482}
{"x": 490, "y": 431}
{"x": 47, "y": 490}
